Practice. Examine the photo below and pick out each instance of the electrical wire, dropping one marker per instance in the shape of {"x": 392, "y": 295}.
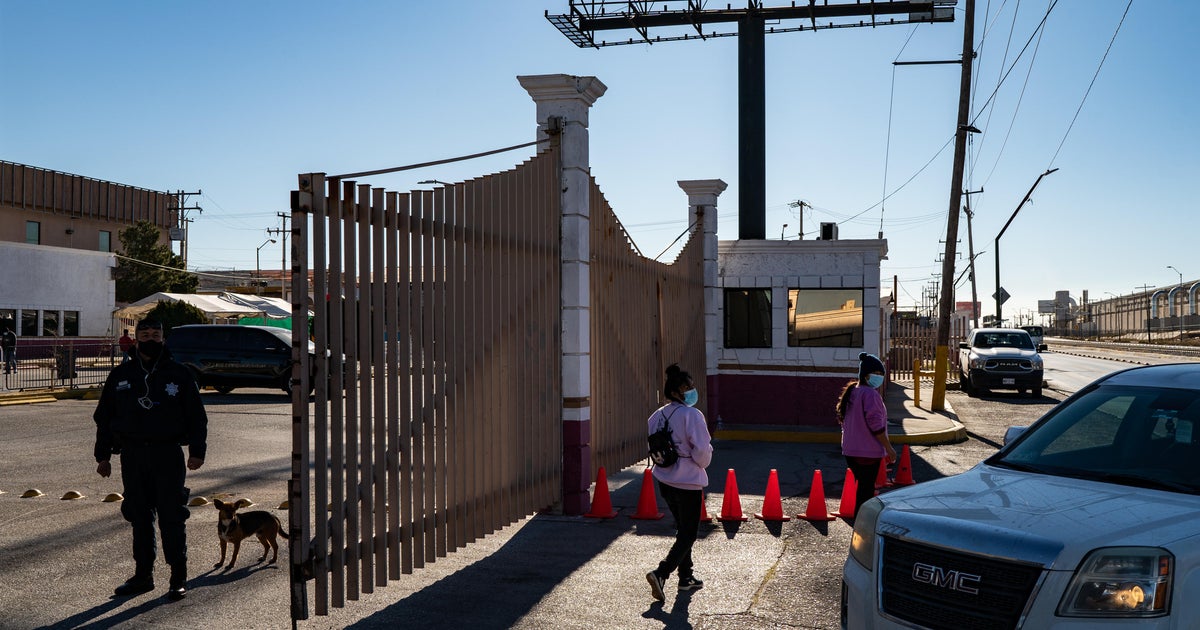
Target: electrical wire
{"x": 176, "y": 269}
{"x": 1040, "y": 26}
{"x": 1016, "y": 108}
{"x": 1012, "y": 27}
{"x": 1094, "y": 76}
{"x": 887, "y": 148}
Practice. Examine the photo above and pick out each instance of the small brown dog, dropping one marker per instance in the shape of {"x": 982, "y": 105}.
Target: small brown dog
{"x": 233, "y": 528}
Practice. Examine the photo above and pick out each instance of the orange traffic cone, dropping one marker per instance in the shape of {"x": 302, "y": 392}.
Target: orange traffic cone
{"x": 816, "y": 510}
{"x": 849, "y": 489}
{"x": 882, "y": 480}
{"x": 647, "y": 503}
{"x": 704, "y": 517}
{"x": 601, "y": 502}
{"x": 772, "y": 509}
{"x": 731, "y": 507}
{"x": 904, "y": 469}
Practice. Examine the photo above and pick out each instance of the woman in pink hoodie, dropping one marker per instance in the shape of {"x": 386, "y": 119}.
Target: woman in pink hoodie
{"x": 863, "y": 417}
{"x": 681, "y": 483}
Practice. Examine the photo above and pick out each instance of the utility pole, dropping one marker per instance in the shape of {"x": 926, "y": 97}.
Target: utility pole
{"x": 184, "y": 221}
{"x": 941, "y": 356}
{"x": 971, "y": 253}
{"x": 799, "y": 204}
{"x": 283, "y": 233}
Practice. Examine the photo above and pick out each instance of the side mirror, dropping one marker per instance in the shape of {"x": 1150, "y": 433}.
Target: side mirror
{"x": 1041, "y": 347}
{"x": 1013, "y": 433}
{"x": 962, "y": 345}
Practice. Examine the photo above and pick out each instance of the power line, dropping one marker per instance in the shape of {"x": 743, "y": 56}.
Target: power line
{"x": 1094, "y": 76}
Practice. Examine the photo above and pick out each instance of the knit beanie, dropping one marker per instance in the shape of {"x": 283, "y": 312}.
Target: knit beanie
{"x": 868, "y": 363}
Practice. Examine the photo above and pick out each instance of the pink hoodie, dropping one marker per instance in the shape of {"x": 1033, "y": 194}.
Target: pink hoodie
{"x": 691, "y": 440}
{"x": 866, "y": 416}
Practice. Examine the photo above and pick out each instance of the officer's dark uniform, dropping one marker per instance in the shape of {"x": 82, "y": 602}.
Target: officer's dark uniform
{"x": 146, "y": 412}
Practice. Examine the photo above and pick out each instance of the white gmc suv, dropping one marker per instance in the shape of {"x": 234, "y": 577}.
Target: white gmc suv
{"x": 1089, "y": 518}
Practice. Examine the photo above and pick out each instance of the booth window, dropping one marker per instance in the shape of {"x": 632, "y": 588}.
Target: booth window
{"x": 70, "y": 323}
{"x": 105, "y": 241}
{"x": 49, "y": 323}
{"x": 33, "y": 232}
{"x": 825, "y": 318}
{"x": 748, "y": 318}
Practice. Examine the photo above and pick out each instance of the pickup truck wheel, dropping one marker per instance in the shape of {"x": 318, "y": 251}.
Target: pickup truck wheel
{"x": 1036, "y": 392}
{"x": 223, "y": 389}
{"x": 964, "y": 384}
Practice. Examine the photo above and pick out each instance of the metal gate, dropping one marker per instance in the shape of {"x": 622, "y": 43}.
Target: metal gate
{"x": 433, "y": 357}
{"x": 915, "y": 342}
{"x": 646, "y": 315}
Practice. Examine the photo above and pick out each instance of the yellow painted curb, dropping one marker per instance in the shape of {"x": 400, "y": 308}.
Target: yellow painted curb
{"x": 26, "y": 400}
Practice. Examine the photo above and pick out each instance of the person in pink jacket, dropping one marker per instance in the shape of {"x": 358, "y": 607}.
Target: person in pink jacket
{"x": 681, "y": 484}
{"x": 863, "y": 417}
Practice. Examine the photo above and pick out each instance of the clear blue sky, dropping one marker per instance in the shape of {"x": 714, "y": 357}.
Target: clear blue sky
{"x": 237, "y": 98}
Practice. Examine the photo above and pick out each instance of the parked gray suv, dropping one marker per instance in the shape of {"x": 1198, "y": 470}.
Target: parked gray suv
{"x": 226, "y": 356}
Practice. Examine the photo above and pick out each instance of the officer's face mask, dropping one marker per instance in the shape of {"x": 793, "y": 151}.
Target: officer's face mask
{"x": 151, "y": 348}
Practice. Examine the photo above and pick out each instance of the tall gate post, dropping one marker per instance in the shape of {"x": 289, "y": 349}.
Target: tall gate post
{"x": 562, "y": 105}
{"x": 702, "y": 204}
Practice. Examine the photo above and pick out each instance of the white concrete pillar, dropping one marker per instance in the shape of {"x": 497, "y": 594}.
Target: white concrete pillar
{"x": 567, "y": 98}
{"x": 702, "y": 201}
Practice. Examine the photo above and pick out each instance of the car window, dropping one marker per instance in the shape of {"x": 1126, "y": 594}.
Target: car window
{"x": 1129, "y": 432}
{"x": 253, "y": 339}
{"x": 1097, "y": 428}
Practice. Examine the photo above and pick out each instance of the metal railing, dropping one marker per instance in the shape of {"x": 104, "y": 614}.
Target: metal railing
{"x": 61, "y": 363}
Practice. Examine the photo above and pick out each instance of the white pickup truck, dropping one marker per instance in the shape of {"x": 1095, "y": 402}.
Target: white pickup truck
{"x": 1000, "y": 358}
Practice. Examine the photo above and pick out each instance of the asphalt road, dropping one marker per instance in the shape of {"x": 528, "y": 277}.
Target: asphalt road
{"x": 63, "y": 557}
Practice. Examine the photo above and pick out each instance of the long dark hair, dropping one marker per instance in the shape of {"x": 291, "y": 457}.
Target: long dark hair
{"x": 676, "y": 378}
{"x": 844, "y": 399}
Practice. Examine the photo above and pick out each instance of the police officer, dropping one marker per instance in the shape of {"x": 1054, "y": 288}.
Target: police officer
{"x": 149, "y": 408}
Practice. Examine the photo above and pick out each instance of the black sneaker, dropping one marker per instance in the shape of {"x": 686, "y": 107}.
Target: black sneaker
{"x": 690, "y": 584}
{"x": 656, "y": 586}
{"x": 176, "y": 590}
{"x": 135, "y": 585}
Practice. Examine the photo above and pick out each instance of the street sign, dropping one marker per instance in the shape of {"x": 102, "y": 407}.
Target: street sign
{"x": 1001, "y": 295}
{"x": 1045, "y": 307}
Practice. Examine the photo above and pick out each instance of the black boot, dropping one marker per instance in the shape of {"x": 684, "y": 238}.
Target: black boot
{"x": 176, "y": 589}
{"x": 136, "y": 585}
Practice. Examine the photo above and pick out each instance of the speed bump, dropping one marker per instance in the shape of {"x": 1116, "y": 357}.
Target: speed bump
{"x": 197, "y": 501}
{"x": 113, "y": 497}
{"x": 71, "y": 495}
{"x": 243, "y": 503}
{"x": 284, "y": 505}
{"x": 31, "y": 493}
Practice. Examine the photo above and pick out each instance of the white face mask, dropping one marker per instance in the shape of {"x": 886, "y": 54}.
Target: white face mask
{"x": 875, "y": 380}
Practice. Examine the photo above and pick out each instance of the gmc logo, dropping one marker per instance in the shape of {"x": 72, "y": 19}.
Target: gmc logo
{"x": 953, "y": 580}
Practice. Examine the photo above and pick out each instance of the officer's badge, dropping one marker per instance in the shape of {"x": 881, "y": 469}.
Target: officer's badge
{"x": 172, "y": 389}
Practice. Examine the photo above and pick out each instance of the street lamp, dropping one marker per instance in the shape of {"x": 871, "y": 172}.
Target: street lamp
{"x": 1172, "y": 267}
{"x": 781, "y": 231}
{"x": 257, "y": 267}
{"x": 999, "y": 294}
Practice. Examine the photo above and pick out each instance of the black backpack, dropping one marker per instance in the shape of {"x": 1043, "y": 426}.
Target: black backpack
{"x": 662, "y": 445}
